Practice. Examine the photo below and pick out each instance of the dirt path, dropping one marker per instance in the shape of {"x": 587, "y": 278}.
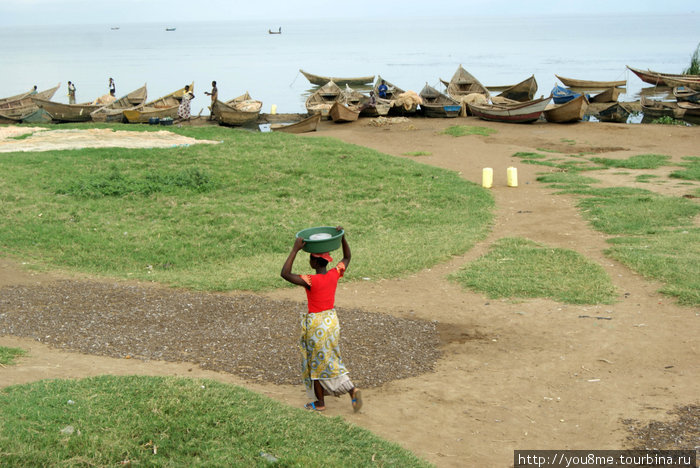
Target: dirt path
{"x": 515, "y": 374}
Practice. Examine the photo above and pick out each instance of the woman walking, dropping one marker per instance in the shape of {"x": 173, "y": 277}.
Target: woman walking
{"x": 322, "y": 366}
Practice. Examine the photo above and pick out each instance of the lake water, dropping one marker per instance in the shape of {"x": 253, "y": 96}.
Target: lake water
{"x": 242, "y": 56}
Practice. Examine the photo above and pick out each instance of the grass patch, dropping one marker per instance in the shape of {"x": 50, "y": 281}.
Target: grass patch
{"x": 641, "y": 161}
{"x": 546, "y": 150}
{"x": 568, "y": 141}
{"x": 668, "y": 120}
{"x": 645, "y": 178}
{"x": 462, "y": 130}
{"x": 671, "y": 257}
{"x": 529, "y": 155}
{"x": 8, "y": 355}
{"x": 694, "y": 67}
{"x": 691, "y": 171}
{"x": 165, "y": 421}
{"x": 223, "y": 217}
{"x": 520, "y": 268}
{"x": 417, "y": 153}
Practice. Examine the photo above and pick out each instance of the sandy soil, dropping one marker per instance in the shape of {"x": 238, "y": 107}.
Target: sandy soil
{"x": 531, "y": 374}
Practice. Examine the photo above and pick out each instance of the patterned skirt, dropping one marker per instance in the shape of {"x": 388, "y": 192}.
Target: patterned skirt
{"x": 320, "y": 354}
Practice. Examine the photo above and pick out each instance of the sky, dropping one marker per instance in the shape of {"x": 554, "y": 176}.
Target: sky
{"x": 56, "y": 12}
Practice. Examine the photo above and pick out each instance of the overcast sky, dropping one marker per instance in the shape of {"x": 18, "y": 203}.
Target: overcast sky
{"x": 40, "y": 12}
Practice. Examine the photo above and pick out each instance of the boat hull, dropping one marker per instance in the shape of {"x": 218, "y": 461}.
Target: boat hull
{"x": 341, "y": 113}
{"x": 309, "y": 124}
{"x": 526, "y": 112}
{"x": 572, "y": 111}
{"x": 322, "y": 80}
{"x": 590, "y": 84}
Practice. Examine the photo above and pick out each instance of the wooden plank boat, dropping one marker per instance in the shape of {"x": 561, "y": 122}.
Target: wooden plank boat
{"x": 523, "y": 91}
{"x": 17, "y": 110}
{"x": 237, "y": 111}
{"x": 161, "y": 108}
{"x": 437, "y": 104}
{"x": 571, "y": 111}
{"x": 683, "y": 93}
{"x": 655, "y": 109}
{"x": 590, "y": 84}
{"x": 615, "y": 112}
{"x": 657, "y": 78}
{"x": 464, "y": 83}
{"x": 562, "y": 95}
{"x": 522, "y": 112}
{"x": 66, "y": 112}
{"x": 114, "y": 112}
{"x": 322, "y": 80}
{"x": 688, "y": 83}
{"x": 321, "y": 100}
{"x": 402, "y": 102}
{"x": 692, "y": 109}
{"x": 16, "y": 97}
{"x": 341, "y": 112}
{"x": 609, "y": 95}
{"x": 308, "y": 124}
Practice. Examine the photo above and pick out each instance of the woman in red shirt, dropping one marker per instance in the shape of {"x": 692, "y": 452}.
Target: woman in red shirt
{"x": 322, "y": 367}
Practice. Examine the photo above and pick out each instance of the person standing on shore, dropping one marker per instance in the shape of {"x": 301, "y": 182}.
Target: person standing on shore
{"x": 112, "y": 88}
{"x": 214, "y": 96}
{"x": 183, "y": 112}
{"x": 323, "y": 370}
{"x": 71, "y": 93}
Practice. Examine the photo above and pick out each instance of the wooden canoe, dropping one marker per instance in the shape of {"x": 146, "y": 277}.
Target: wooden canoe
{"x": 615, "y": 112}
{"x": 523, "y": 91}
{"x": 308, "y": 124}
{"x": 691, "y": 108}
{"x": 571, "y": 111}
{"x": 683, "y": 93}
{"x": 61, "y": 112}
{"x": 18, "y": 109}
{"x": 657, "y": 78}
{"x": 321, "y": 100}
{"x": 436, "y": 104}
{"x": 464, "y": 83}
{"x": 560, "y": 95}
{"x": 161, "y": 108}
{"x": 655, "y": 109}
{"x": 609, "y": 95}
{"x": 522, "y": 112}
{"x": 322, "y": 80}
{"x": 688, "y": 83}
{"x": 590, "y": 84}
{"x": 402, "y": 103}
{"x": 237, "y": 111}
{"x": 114, "y": 112}
{"x": 341, "y": 112}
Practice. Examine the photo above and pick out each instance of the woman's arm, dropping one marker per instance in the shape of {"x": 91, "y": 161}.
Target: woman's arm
{"x": 346, "y": 249}
{"x": 287, "y": 267}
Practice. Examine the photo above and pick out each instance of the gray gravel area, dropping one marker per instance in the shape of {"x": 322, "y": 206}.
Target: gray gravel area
{"x": 247, "y": 335}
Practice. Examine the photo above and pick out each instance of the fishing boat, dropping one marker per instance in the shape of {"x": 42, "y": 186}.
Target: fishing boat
{"x": 571, "y": 111}
{"x": 341, "y": 112}
{"x": 402, "y": 102}
{"x": 114, "y": 112}
{"x": 321, "y": 100}
{"x": 161, "y": 108}
{"x": 590, "y": 84}
{"x": 322, "y": 80}
{"x": 308, "y": 124}
{"x": 521, "y": 112}
{"x": 523, "y": 91}
{"x": 608, "y": 95}
{"x": 16, "y": 97}
{"x": 170, "y": 29}
{"x": 237, "y": 111}
{"x": 464, "y": 83}
{"x": 66, "y": 112}
{"x": 436, "y": 104}
{"x": 683, "y": 93}
{"x": 657, "y": 78}
{"x": 279, "y": 31}
{"x": 562, "y": 95}
{"x": 685, "y": 82}
{"x": 655, "y": 109}
{"x": 615, "y": 112}
{"x": 18, "y": 109}
{"x": 692, "y": 109}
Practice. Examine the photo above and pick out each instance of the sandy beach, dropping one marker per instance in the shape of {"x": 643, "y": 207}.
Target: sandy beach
{"x": 514, "y": 374}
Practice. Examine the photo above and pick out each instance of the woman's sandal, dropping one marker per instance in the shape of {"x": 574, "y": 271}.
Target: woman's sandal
{"x": 312, "y": 406}
{"x": 356, "y": 401}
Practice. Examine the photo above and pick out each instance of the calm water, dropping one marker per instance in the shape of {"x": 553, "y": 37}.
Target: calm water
{"x": 409, "y": 53}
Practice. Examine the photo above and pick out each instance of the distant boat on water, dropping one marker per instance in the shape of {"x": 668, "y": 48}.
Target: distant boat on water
{"x": 279, "y": 31}
{"x": 114, "y": 28}
{"x": 170, "y": 29}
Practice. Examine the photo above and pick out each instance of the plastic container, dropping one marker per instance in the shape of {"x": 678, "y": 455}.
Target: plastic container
{"x": 487, "y": 177}
{"x": 153, "y": 120}
{"x": 166, "y": 121}
{"x": 512, "y": 174}
{"x": 321, "y": 239}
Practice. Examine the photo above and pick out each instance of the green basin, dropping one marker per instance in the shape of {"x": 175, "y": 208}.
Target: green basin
{"x": 321, "y": 245}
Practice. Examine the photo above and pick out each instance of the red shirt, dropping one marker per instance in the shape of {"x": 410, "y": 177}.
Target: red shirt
{"x": 321, "y": 293}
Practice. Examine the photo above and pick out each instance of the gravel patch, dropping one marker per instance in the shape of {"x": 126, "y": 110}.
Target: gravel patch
{"x": 247, "y": 335}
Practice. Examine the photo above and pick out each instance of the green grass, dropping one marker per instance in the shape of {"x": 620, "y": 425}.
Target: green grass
{"x": 165, "y": 421}
{"x": 520, "y": 268}
{"x": 417, "y": 153}
{"x": 694, "y": 66}
{"x": 462, "y": 130}
{"x": 641, "y": 161}
{"x": 691, "y": 171}
{"x": 223, "y": 217}
{"x": 646, "y": 178}
{"x": 8, "y": 355}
